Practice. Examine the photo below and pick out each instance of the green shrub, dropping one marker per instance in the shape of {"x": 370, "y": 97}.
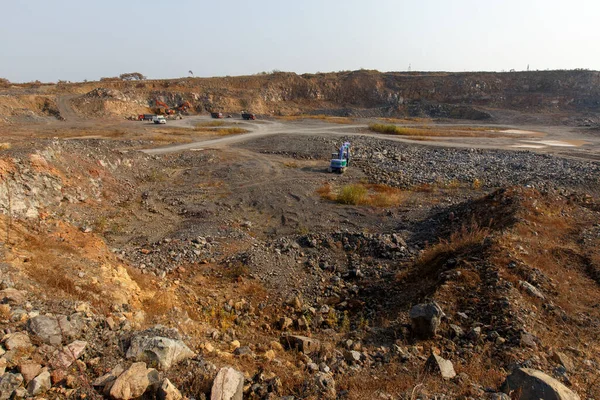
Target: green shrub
{"x": 352, "y": 194}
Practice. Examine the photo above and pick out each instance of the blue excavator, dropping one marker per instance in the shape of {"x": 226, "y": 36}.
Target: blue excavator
{"x": 340, "y": 160}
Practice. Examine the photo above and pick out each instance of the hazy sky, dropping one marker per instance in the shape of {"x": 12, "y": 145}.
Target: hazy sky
{"x": 88, "y": 39}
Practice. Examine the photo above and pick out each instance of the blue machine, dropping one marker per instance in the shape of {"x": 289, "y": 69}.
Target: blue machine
{"x": 340, "y": 160}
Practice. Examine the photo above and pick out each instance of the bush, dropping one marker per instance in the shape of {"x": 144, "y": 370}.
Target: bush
{"x": 4, "y": 83}
{"x": 130, "y": 76}
{"x": 352, "y": 194}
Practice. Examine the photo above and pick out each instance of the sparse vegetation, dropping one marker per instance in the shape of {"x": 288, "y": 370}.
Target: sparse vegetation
{"x": 130, "y": 76}
{"x": 322, "y": 117}
{"x": 436, "y": 131}
{"x": 464, "y": 238}
{"x": 211, "y": 127}
{"x": 363, "y": 194}
{"x": 355, "y": 194}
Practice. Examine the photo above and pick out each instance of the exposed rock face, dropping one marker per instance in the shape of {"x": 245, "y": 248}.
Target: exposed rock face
{"x": 228, "y": 385}
{"x": 534, "y": 385}
{"x": 426, "y": 319}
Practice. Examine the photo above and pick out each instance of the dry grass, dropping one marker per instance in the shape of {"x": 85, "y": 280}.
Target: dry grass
{"x": 436, "y": 131}
{"x": 207, "y": 128}
{"x": 467, "y": 236}
{"x": 212, "y": 124}
{"x": 355, "y": 194}
{"x": 159, "y": 305}
{"x": 322, "y": 117}
{"x": 376, "y": 195}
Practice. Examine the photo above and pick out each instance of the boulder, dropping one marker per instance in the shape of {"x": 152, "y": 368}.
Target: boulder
{"x": 17, "y": 340}
{"x": 532, "y": 290}
{"x": 564, "y": 360}
{"x": 12, "y": 296}
{"x": 46, "y": 328}
{"x": 426, "y": 319}
{"x": 325, "y": 385}
{"x": 533, "y": 385}
{"x": 351, "y": 356}
{"x": 68, "y": 355}
{"x": 228, "y": 385}
{"x": 301, "y": 343}
{"x": 8, "y": 384}
{"x": 165, "y": 352}
{"x": 106, "y": 381}
{"x": 438, "y": 364}
{"x": 133, "y": 382}
{"x": 29, "y": 370}
{"x": 168, "y": 391}
{"x": 39, "y": 384}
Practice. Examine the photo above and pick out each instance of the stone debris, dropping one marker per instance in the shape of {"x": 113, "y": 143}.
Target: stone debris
{"x": 228, "y": 385}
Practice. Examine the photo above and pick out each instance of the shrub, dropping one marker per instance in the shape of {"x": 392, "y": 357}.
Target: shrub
{"x": 130, "y": 76}
{"x": 352, "y": 194}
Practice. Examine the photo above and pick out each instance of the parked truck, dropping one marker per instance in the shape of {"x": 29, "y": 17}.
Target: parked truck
{"x": 146, "y": 117}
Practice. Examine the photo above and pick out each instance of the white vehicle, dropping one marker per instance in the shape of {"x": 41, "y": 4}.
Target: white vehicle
{"x": 159, "y": 119}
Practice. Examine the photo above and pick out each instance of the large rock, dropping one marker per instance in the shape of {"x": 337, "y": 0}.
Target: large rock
{"x": 67, "y": 356}
{"x": 40, "y": 384}
{"x": 133, "y": 382}
{"x": 301, "y": 343}
{"x": 52, "y": 330}
{"x": 8, "y": 384}
{"x": 534, "y": 385}
{"x": 12, "y": 296}
{"x": 17, "y": 340}
{"x": 29, "y": 369}
{"x": 228, "y": 385}
{"x": 325, "y": 385}
{"x": 438, "y": 364}
{"x": 165, "y": 352}
{"x": 105, "y": 382}
{"x": 168, "y": 391}
{"x": 564, "y": 360}
{"x": 426, "y": 319}
{"x": 532, "y": 290}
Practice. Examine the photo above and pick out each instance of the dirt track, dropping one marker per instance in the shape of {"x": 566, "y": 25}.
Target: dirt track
{"x": 555, "y": 140}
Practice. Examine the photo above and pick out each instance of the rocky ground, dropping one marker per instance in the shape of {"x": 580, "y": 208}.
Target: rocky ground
{"x": 236, "y": 272}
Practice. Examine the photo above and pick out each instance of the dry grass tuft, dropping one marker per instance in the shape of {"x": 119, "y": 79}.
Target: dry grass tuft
{"x": 322, "y": 117}
{"x": 433, "y": 131}
{"x": 376, "y": 195}
{"x": 468, "y": 236}
{"x": 354, "y": 194}
{"x": 209, "y": 124}
{"x": 208, "y": 128}
{"x": 159, "y": 305}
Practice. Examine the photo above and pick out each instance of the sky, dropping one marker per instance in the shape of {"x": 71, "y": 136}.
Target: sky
{"x": 89, "y": 39}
